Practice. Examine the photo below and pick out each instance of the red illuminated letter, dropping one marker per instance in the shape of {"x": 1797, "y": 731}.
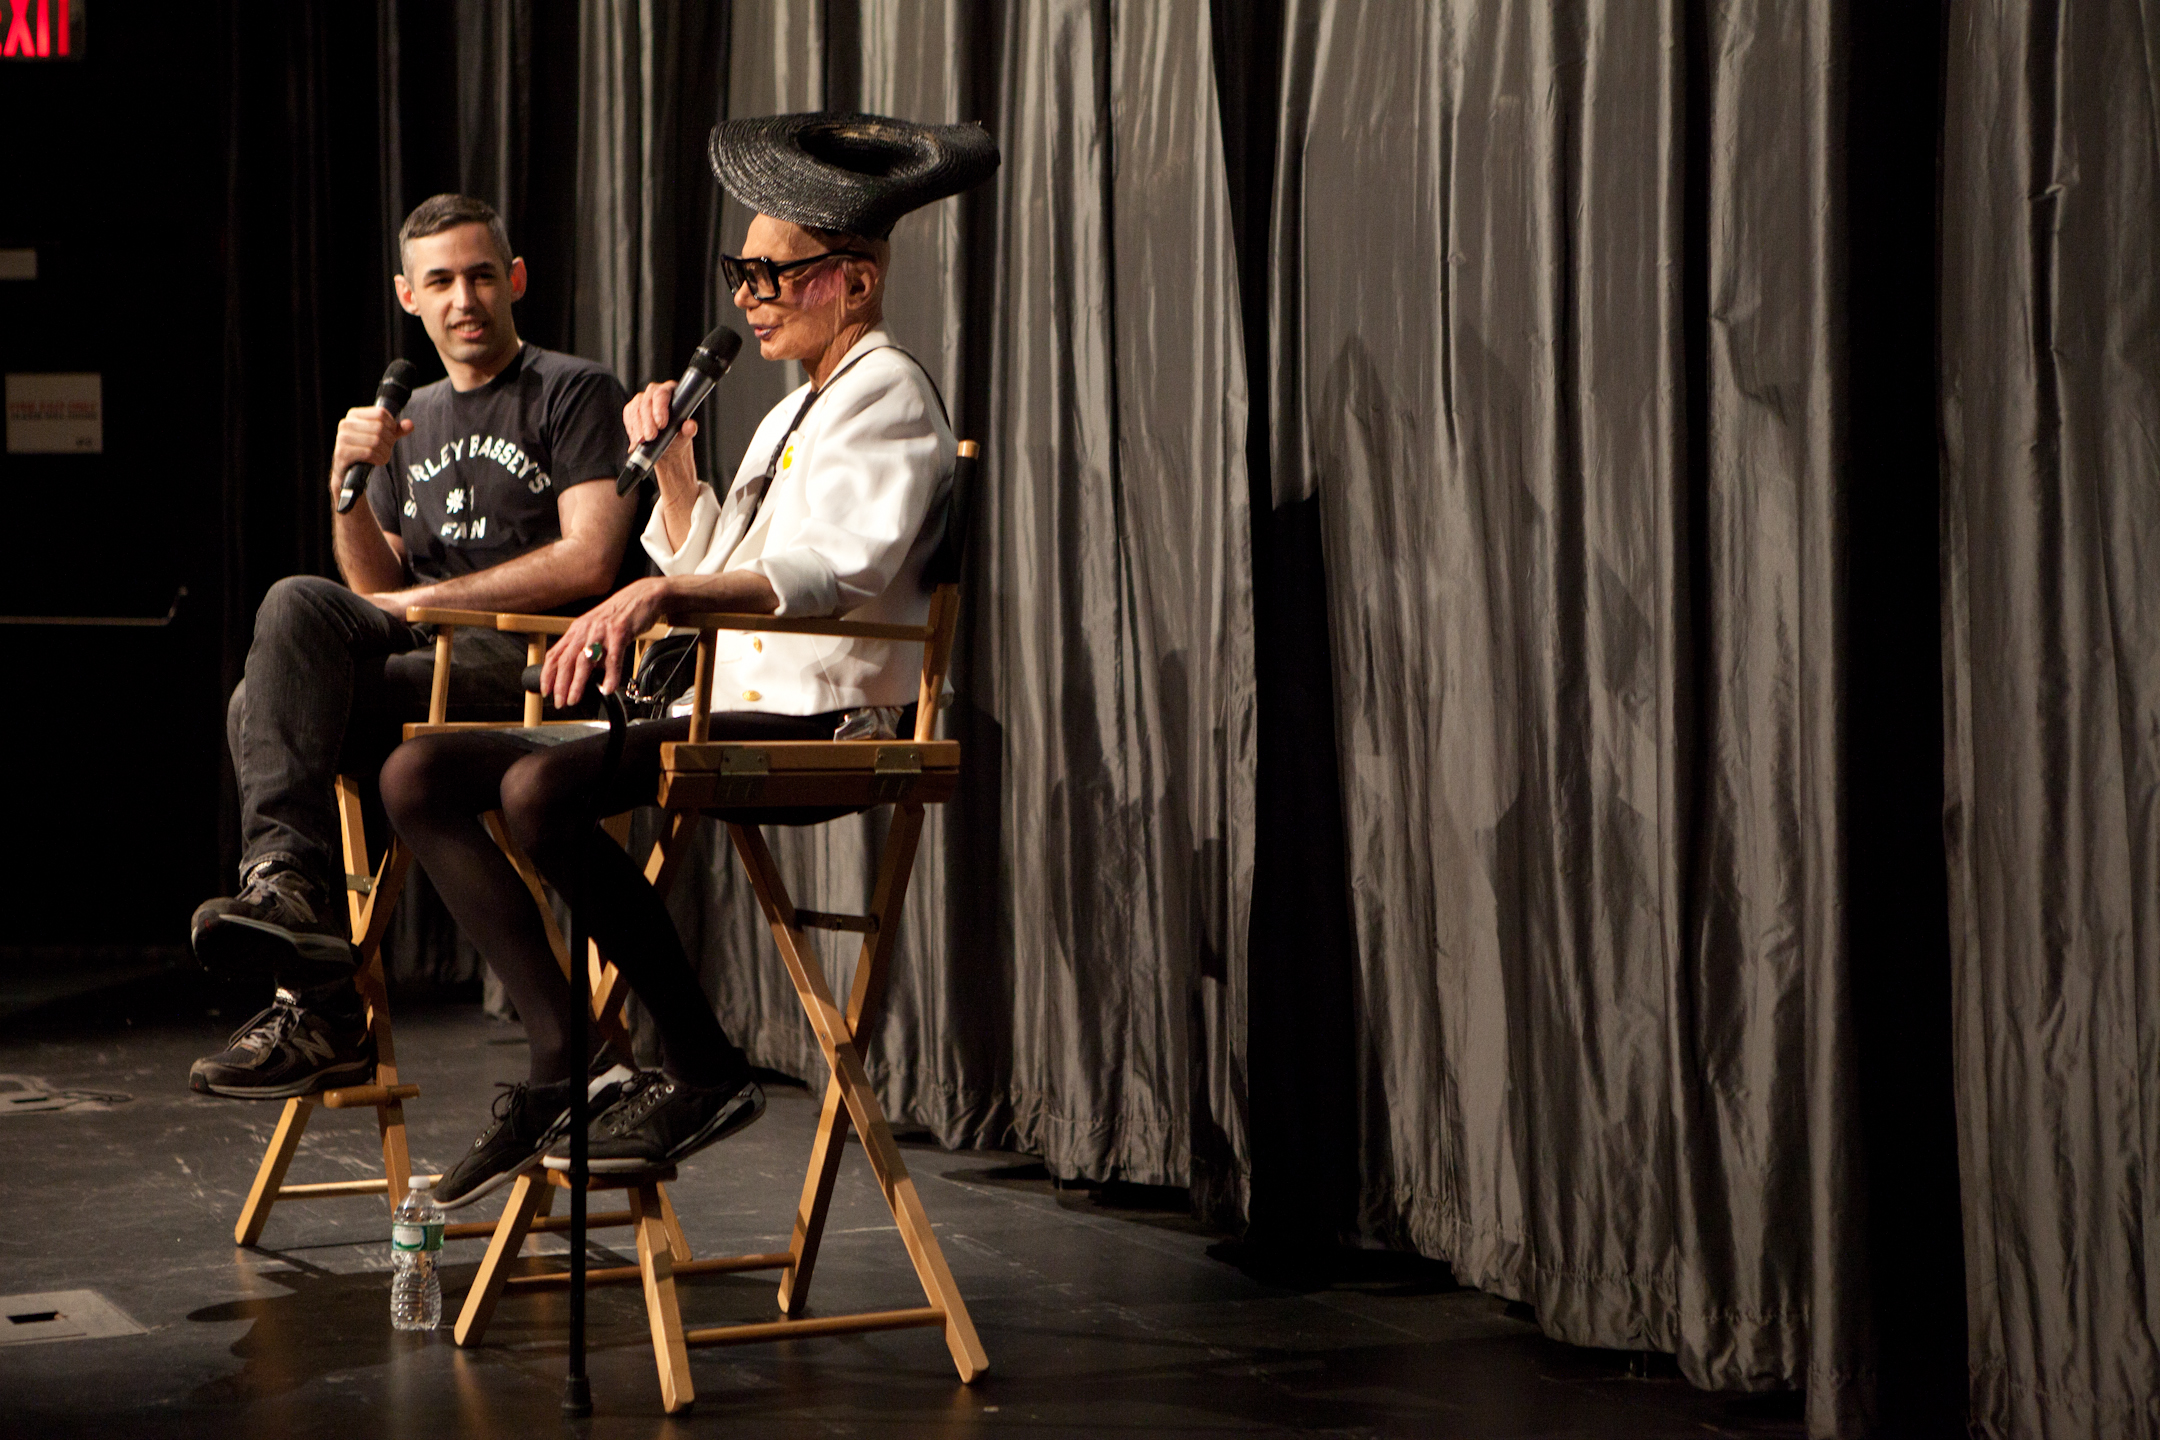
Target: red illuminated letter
{"x": 19, "y": 41}
{"x": 44, "y": 29}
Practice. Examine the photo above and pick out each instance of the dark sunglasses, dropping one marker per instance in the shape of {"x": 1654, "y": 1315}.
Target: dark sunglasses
{"x": 762, "y": 275}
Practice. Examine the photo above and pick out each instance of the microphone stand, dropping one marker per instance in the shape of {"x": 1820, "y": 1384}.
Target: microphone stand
{"x": 577, "y": 1389}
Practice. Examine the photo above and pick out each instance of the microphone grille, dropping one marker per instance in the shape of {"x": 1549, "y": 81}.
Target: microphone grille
{"x": 401, "y": 377}
{"x": 719, "y": 349}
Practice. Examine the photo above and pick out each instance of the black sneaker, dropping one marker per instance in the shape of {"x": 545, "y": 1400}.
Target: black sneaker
{"x": 528, "y": 1119}
{"x": 287, "y": 1051}
{"x": 279, "y": 922}
{"x": 661, "y": 1120}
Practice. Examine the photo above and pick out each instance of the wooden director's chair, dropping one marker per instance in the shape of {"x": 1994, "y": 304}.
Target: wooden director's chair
{"x": 790, "y": 782}
{"x": 371, "y": 895}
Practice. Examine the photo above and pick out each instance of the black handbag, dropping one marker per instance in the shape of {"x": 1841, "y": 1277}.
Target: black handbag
{"x": 664, "y": 676}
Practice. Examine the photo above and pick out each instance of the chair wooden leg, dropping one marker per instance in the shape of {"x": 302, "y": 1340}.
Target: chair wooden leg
{"x": 668, "y": 851}
{"x": 270, "y": 1175}
{"x": 396, "y": 1158}
{"x": 894, "y": 868}
{"x": 656, "y": 1267}
{"x": 369, "y": 912}
{"x": 825, "y": 1152}
{"x": 526, "y": 1197}
{"x": 546, "y": 1207}
{"x": 837, "y": 1040}
{"x": 678, "y": 1245}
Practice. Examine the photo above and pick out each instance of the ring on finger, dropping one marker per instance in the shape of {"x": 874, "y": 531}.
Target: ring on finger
{"x": 595, "y": 652}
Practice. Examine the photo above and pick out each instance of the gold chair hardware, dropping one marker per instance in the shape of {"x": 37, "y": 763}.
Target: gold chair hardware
{"x": 894, "y": 772}
{"x": 742, "y": 776}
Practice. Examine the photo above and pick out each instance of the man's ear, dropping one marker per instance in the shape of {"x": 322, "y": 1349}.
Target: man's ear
{"x": 517, "y": 278}
{"x": 863, "y": 280}
{"x": 404, "y": 294}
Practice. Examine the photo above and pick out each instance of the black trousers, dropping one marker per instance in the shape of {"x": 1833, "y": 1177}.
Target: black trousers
{"x": 330, "y": 681}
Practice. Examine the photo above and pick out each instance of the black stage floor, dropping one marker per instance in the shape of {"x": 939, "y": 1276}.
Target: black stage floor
{"x": 1103, "y": 1312}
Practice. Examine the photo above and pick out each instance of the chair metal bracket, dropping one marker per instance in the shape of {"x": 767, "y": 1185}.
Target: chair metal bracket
{"x": 895, "y": 771}
{"x": 742, "y": 776}
{"x": 360, "y": 884}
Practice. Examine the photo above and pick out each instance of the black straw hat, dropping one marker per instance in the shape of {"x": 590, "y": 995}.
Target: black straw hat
{"x": 853, "y": 173}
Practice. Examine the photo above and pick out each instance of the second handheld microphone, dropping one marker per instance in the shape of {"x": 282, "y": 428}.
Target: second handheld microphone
{"x": 710, "y": 361}
{"x": 391, "y": 394}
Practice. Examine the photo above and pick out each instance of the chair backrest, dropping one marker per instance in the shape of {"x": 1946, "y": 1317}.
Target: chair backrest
{"x": 942, "y": 573}
{"x": 946, "y": 562}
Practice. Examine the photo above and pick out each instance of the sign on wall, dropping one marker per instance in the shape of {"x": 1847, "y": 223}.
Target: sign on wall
{"x": 55, "y": 414}
{"x": 41, "y": 29}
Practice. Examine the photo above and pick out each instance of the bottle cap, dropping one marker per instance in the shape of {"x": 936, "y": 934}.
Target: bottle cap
{"x": 419, "y": 1182}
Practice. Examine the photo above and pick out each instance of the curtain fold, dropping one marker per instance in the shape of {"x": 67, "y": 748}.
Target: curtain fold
{"x": 2051, "y": 633}
{"x": 1578, "y": 485}
{"x": 1068, "y": 980}
{"x": 1469, "y": 827}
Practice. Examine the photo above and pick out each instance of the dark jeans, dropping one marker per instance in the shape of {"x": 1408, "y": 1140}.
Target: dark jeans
{"x": 330, "y": 682}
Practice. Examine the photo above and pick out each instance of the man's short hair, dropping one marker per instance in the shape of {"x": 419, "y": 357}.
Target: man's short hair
{"x": 438, "y": 213}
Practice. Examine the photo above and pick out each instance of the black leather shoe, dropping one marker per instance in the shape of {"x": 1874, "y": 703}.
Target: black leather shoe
{"x": 661, "y": 1121}
{"x": 528, "y": 1119}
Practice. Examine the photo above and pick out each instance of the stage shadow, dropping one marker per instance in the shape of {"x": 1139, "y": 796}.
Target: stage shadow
{"x": 325, "y": 1322}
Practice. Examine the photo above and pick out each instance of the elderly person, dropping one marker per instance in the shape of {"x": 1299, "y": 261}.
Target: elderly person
{"x": 834, "y": 509}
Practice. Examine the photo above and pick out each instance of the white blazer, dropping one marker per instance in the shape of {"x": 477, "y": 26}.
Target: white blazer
{"x": 848, "y": 525}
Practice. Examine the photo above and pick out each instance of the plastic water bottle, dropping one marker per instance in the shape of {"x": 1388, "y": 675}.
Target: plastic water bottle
{"x": 415, "y": 1241}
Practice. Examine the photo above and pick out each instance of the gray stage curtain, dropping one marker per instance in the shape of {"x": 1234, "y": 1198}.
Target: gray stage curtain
{"x": 1593, "y": 841}
{"x": 1554, "y": 359}
{"x": 2052, "y": 690}
{"x": 648, "y": 81}
{"x": 1113, "y": 632}
{"x": 1068, "y": 978}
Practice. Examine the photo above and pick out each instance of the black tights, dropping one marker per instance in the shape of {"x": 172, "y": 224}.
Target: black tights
{"x": 436, "y": 789}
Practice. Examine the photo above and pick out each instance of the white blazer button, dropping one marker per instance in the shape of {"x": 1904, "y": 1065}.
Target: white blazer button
{"x": 751, "y": 695}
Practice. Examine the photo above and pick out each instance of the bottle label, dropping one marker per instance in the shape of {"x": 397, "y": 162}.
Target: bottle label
{"x": 416, "y": 1237}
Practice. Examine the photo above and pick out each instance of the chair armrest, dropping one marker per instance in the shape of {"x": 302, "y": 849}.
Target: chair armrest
{"x": 558, "y": 624}
{"x": 431, "y": 615}
{"x": 850, "y": 629}
{"x": 533, "y": 624}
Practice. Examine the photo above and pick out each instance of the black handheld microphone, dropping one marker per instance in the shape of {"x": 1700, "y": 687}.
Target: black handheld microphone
{"x": 710, "y": 361}
{"x": 395, "y": 390}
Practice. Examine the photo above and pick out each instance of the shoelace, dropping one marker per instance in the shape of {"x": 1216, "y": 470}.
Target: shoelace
{"x": 267, "y": 1028}
{"x": 643, "y": 1093}
{"x": 270, "y": 884}
{"x": 505, "y": 1096}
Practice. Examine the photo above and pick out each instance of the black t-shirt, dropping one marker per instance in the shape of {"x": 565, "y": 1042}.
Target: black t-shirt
{"x": 475, "y": 482}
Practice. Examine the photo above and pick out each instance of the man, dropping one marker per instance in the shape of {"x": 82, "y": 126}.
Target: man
{"x": 835, "y": 509}
{"x": 480, "y": 500}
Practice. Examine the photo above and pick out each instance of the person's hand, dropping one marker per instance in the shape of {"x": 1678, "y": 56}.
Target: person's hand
{"x": 364, "y": 435}
{"x": 614, "y": 625}
{"x": 646, "y": 416}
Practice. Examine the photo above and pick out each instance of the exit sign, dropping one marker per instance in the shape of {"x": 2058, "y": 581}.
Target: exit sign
{"x": 41, "y": 29}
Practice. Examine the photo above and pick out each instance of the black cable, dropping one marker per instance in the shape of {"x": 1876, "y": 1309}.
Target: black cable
{"x": 577, "y": 1389}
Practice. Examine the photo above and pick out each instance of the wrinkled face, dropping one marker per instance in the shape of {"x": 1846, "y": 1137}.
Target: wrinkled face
{"x": 458, "y": 284}
{"x": 812, "y": 304}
